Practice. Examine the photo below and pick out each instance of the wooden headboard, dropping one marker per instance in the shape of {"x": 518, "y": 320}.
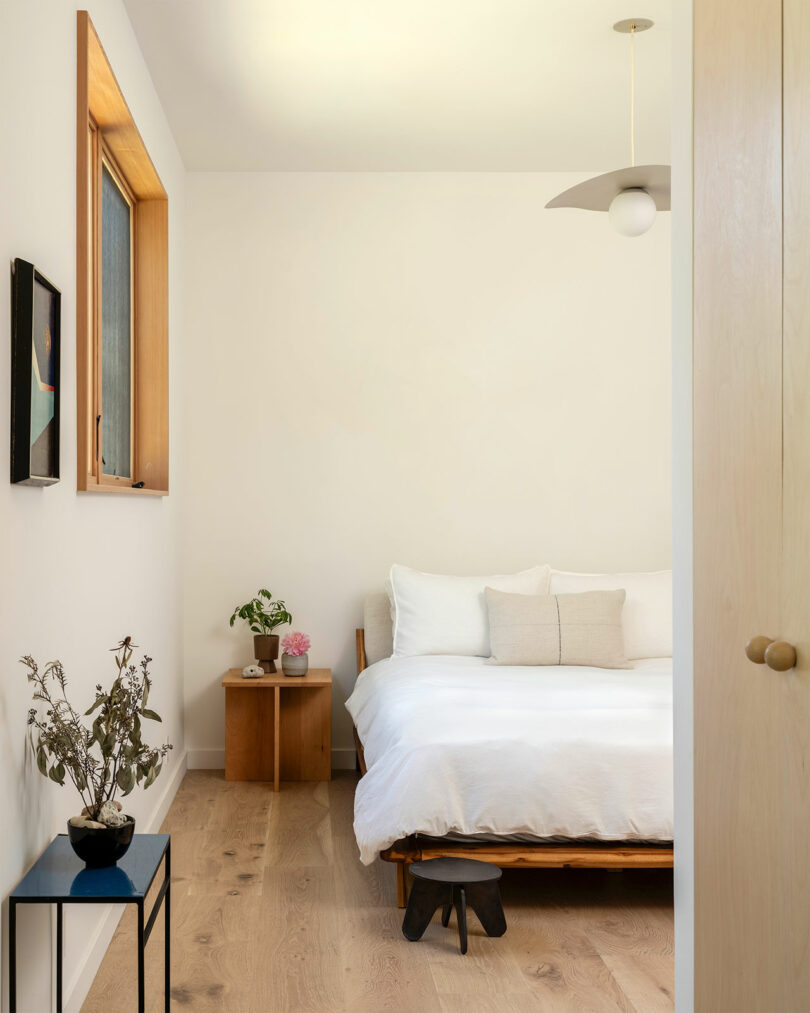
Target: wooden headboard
{"x": 362, "y": 663}
{"x": 360, "y": 638}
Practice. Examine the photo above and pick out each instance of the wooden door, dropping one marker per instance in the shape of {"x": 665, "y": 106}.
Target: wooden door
{"x": 751, "y": 524}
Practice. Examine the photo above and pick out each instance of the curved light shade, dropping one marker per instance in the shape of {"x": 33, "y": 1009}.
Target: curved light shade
{"x": 597, "y": 194}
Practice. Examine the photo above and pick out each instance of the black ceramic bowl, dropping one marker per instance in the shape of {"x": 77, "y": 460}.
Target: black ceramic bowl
{"x": 98, "y": 847}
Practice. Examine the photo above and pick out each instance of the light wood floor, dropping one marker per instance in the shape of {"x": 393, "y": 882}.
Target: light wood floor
{"x": 273, "y": 913}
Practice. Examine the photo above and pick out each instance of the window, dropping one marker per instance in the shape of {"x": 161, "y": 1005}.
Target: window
{"x": 122, "y": 303}
{"x": 114, "y": 317}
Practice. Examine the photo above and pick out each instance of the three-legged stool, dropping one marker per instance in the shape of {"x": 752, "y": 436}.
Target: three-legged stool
{"x": 454, "y": 882}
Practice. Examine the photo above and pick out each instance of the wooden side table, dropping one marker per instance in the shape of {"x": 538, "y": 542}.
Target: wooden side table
{"x": 278, "y": 727}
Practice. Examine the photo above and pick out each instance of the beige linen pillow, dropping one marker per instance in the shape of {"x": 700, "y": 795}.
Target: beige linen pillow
{"x": 557, "y": 629}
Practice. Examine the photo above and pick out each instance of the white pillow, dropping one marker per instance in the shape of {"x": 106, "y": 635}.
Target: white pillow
{"x": 647, "y": 616}
{"x": 434, "y": 614}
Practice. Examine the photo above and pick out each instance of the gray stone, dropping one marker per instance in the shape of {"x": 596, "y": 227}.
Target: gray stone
{"x": 84, "y": 821}
{"x": 111, "y": 816}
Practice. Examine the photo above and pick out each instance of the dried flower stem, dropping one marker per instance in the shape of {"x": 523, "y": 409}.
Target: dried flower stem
{"x": 109, "y": 756}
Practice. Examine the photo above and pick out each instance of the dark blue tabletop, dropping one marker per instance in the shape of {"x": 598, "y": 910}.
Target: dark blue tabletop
{"x": 59, "y": 874}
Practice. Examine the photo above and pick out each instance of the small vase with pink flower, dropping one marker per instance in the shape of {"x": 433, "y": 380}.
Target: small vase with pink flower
{"x": 295, "y": 660}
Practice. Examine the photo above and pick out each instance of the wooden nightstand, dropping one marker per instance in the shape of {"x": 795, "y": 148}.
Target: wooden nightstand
{"x": 278, "y": 727}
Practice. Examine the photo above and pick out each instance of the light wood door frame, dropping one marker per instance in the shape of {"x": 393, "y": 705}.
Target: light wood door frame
{"x": 793, "y": 754}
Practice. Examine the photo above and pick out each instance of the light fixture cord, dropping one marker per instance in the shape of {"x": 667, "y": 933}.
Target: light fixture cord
{"x": 632, "y": 95}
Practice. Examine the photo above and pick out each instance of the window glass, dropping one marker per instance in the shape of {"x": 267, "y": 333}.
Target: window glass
{"x": 116, "y": 329}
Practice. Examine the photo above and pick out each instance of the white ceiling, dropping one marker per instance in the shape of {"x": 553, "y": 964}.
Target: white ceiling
{"x": 407, "y": 84}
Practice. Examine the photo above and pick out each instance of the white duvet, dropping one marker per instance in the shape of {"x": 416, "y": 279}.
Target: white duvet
{"x": 456, "y": 746}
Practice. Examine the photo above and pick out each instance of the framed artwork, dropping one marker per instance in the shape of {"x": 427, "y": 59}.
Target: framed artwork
{"x": 35, "y": 343}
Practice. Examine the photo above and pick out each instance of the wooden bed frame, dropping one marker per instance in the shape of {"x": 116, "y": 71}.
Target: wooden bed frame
{"x": 580, "y": 855}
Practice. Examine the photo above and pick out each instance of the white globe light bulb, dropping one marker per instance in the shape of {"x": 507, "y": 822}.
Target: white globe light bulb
{"x": 632, "y": 212}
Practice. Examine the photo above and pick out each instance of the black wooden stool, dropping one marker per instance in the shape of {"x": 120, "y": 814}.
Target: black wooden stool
{"x": 454, "y": 882}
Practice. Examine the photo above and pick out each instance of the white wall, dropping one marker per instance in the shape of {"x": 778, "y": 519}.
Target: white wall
{"x": 425, "y": 368}
{"x": 682, "y": 265}
{"x": 77, "y": 571}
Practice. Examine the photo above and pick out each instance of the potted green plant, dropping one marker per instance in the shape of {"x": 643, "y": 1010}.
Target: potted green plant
{"x": 102, "y": 760}
{"x": 263, "y": 615}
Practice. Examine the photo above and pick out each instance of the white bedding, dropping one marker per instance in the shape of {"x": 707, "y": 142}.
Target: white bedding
{"x": 453, "y": 745}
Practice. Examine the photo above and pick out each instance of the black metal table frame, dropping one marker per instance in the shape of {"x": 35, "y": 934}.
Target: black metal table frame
{"x": 144, "y": 931}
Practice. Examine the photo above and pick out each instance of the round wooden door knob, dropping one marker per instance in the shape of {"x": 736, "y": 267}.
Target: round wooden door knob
{"x": 755, "y": 649}
{"x": 780, "y": 656}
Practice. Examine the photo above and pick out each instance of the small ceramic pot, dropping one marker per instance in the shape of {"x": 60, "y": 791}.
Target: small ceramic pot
{"x": 292, "y": 664}
{"x": 99, "y": 847}
{"x": 266, "y": 649}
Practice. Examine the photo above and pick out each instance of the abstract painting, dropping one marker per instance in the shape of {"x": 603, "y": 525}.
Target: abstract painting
{"x": 36, "y": 312}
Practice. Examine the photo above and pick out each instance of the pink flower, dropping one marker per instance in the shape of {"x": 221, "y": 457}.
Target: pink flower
{"x": 295, "y": 644}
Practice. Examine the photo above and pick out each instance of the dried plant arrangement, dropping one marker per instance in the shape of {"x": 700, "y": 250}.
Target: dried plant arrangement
{"x": 105, "y": 759}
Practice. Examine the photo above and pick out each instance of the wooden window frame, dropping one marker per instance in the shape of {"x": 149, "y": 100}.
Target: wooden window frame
{"x": 107, "y": 135}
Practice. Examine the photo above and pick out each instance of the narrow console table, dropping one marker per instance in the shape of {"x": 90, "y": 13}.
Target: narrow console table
{"x": 60, "y": 877}
{"x": 278, "y": 727}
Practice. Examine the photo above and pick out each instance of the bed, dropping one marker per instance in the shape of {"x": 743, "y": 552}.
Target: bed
{"x": 517, "y": 766}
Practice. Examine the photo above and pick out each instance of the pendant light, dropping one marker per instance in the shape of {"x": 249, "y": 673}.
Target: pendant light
{"x": 631, "y": 196}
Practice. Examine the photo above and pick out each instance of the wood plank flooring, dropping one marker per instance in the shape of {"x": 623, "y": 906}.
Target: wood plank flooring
{"x": 272, "y": 912}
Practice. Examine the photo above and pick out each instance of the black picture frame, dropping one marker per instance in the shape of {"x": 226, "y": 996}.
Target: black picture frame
{"x": 36, "y": 317}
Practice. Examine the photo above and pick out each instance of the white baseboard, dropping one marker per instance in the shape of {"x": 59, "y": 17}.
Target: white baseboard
{"x": 344, "y": 759}
{"x": 206, "y": 759}
{"x": 177, "y": 774}
{"x": 77, "y": 988}
{"x": 214, "y": 759}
